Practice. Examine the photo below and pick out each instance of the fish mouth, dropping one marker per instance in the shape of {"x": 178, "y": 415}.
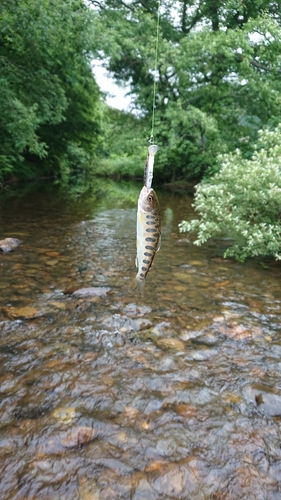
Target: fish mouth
{"x": 145, "y": 192}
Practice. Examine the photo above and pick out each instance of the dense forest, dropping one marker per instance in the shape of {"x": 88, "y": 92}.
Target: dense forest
{"x": 218, "y": 74}
{"x": 217, "y": 102}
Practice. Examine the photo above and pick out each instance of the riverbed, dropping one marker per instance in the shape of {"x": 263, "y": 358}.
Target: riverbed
{"x": 105, "y": 395}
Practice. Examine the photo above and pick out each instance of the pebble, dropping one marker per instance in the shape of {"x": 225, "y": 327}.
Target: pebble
{"x": 78, "y": 437}
{"x": 266, "y": 400}
{"x": 171, "y": 343}
{"x": 23, "y": 312}
{"x": 58, "y": 305}
{"x": 52, "y": 254}
{"x": 187, "y": 335}
{"x": 64, "y": 415}
{"x": 9, "y": 244}
{"x": 135, "y": 310}
{"x": 88, "y": 490}
{"x": 52, "y": 262}
{"x": 92, "y": 291}
{"x": 203, "y": 355}
{"x": 185, "y": 278}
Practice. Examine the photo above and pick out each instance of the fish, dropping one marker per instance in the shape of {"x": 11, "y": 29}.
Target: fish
{"x": 148, "y": 235}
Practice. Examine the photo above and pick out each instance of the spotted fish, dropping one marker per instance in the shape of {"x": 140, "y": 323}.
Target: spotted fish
{"x": 148, "y": 235}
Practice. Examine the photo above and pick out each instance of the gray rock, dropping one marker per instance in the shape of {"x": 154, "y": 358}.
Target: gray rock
{"x": 9, "y": 244}
{"x": 265, "y": 398}
{"x": 99, "y": 291}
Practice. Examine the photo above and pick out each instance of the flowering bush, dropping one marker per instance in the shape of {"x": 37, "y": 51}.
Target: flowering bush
{"x": 244, "y": 200}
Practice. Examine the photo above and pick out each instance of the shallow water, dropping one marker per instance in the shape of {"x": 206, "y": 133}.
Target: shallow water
{"x": 104, "y": 397}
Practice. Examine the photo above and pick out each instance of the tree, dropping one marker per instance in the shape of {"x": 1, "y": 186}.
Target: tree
{"x": 49, "y": 101}
{"x": 125, "y": 144}
{"x": 218, "y": 74}
{"x": 243, "y": 200}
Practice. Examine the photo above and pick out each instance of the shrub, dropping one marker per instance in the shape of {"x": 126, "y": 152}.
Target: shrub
{"x": 244, "y": 200}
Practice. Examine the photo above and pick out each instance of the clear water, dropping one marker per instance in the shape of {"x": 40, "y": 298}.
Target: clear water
{"x": 104, "y": 397}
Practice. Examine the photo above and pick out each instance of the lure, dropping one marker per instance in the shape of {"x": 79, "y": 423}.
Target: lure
{"x": 148, "y": 171}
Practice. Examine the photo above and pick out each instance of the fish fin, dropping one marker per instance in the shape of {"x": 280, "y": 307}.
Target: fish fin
{"x": 138, "y": 284}
{"x": 137, "y": 261}
{"x": 159, "y": 244}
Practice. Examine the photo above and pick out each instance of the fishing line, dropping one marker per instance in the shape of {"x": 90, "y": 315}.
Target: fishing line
{"x": 148, "y": 171}
{"x": 151, "y": 140}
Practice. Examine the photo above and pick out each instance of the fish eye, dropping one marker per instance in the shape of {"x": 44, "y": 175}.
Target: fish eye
{"x": 150, "y": 199}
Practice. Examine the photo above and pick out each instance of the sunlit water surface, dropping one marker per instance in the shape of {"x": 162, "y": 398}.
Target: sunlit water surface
{"x": 174, "y": 396}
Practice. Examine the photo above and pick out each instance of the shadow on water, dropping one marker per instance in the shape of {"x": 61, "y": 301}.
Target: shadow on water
{"x": 110, "y": 396}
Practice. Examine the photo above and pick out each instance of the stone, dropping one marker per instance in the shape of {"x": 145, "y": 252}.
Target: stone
{"x": 131, "y": 412}
{"x": 79, "y": 437}
{"x": 267, "y": 400}
{"x": 176, "y": 482}
{"x": 88, "y": 490}
{"x": 184, "y": 278}
{"x": 136, "y": 310}
{"x": 171, "y": 343}
{"x": 92, "y": 291}
{"x": 22, "y": 312}
{"x": 52, "y": 254}
{"x": 144, "y": 491}
{"x": 52, "y": 262}
{"x": 222, "y": 283}
{"x": 9, "y": 244}
{"x": 64, "y": 415}
{"x": 57, "y": 304}
{"x": 186, "y": 410}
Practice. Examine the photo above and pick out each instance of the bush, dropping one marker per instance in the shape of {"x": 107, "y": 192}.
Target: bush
{"x": 243, "y": 200}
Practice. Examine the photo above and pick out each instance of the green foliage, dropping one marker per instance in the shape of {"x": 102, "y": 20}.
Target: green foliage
{"x": 218, "y": 83}
{"x": 49, "y": 100}
{"x": 189, "y": 141}
{"x": 218, "y": 74}
{"x": 125, "y": 145}
{"x": 98, "y": 192}
{"x": 234, "y": 79}
{"x": 244, "y": 200}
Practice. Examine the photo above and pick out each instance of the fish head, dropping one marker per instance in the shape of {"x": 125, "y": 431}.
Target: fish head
{"x": 148, "y": 200}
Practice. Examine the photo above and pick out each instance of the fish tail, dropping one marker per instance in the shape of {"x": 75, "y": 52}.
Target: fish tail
{"x": 139, "y": 284}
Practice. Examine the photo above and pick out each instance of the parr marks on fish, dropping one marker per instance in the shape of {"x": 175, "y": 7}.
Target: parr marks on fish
{"x": 148, "y": 235}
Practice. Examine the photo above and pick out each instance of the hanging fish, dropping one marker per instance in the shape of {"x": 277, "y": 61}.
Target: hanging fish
{"x": 148, "y": 171}
{"x": 148, "y": 235}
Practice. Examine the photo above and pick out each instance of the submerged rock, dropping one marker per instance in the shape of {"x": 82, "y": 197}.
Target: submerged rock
{"x": 171, "y": 343}
{"x": 64, "y": 415}
{"x": 136, "y": 310}
{"x": 266, "y": 398}
{"x": 203, "y": 354}
{"x": 26, "y": 312}
{"x": 79, "y": 437}
{"x": 125, "y": 324}
{"x": 9, "y": 244}
{"x": 52, "y": 262}
{"x": 99, "y": 291}
{"x": 88, "y": 489}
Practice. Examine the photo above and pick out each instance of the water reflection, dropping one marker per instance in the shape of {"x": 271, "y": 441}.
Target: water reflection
{"x": 105, "y": 397}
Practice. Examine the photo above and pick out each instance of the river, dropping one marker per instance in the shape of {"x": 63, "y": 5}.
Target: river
{"x": 108, "y": 396}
